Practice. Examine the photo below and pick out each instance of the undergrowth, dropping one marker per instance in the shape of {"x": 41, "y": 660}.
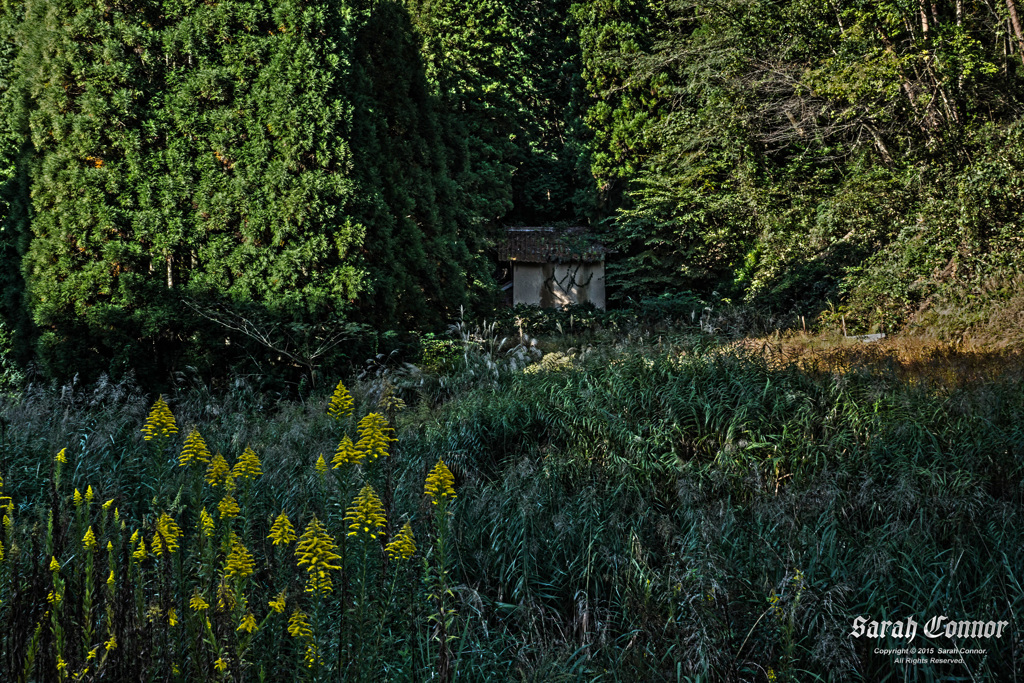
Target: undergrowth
{"x": 651, "y": 509}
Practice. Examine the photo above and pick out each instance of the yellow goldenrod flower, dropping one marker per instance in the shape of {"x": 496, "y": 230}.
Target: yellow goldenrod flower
{"x": 374, "y": 436}
{"x": 439, "y": 483}
{"x": 389, "y": 401}
{"x": 54, "y": 598}
{"x": 403, "y": 545}
{"x": 226, "y": 600}
{"x": 106, "y": 505}
{"x": 89, "y": 540}
{"x": 111, "y": 644}
{"x": 77, "y": 498}
{"x": 205, "y": 523}
{"x": 312, "y": 656}
{"x": 160, "y": 421}
{"x": 228, "y": 507}
{"x": 89, "y": 494}
{"x": 317, "y": 552}
{"x": 62, "y": 457}
{"x": 278, "y": 603}
{"x": 220, "y": 665}
{"x": 341, "y": 402}
{"x": 61, "y": 664}
{"x": 298, "y": 625}
{"x": 347, "y": 453}
{"x": 166, "y": 535}
{"x": 140, "y": 552}
{"x": 248, "y": 624}
{"x": 197, "y": 603}
{"x": 54, "y": 565}
{"x": 172, "y": 617}
{"x": 771, "y": 675}
{"x": 218, "y": 473}
{"x": 1, "y": 551}
{"x": 135, "y": 537}
{"x": 282, "y": 532}
{"x": 240, "y": 562}
{"x": 195, "y": 450}
{"x": 321, "y": 465}
{"x": 92, "y": 653}
{"x": 248, "y": 465}
{"x": 110, "y": 579}
{"x": 366, "y": 514}
{"x": 8, "y": 524}
{"x": 154, "y": 613}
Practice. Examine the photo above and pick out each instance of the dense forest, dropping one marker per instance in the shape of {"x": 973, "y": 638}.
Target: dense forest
{"x": 263, "y": 414}
{"x": 195, "y": 183}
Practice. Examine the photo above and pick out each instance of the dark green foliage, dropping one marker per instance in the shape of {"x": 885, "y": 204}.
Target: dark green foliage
{"x": 634, "y": 505}
{"x": 417, "y": 261}
{"x": 276, "y": 160}
{"x": 794, "y": 153}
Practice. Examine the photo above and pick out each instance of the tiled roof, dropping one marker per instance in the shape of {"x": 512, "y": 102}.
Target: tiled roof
{"x": 536, "y": 244}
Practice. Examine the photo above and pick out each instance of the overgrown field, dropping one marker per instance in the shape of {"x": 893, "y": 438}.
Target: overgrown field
{"x": 646, "y": 510}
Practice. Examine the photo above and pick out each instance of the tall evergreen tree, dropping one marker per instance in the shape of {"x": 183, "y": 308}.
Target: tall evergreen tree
{"x": 420, "y": 251}
{"x": 270, "y": 161}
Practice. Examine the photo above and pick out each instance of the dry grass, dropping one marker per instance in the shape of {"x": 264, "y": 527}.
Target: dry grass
{"x": 912, "y": 359}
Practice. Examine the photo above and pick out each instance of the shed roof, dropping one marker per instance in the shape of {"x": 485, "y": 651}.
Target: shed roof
{"x": 539, "y": 244}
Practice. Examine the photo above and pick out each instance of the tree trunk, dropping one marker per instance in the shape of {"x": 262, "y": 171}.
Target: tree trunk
{"x": 1011, "y": 5}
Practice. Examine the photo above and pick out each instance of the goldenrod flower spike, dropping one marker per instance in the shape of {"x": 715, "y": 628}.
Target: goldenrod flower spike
{"x": 321, "y": 465}
{"x": 366, "y": 514}
{"x": 218, "y": 473}
{"x": 62, "y": 457}
{"x": 106, "y": 505}
{"x": 298, "y": 625}
{"x": 197, "y": 603}
{"x": 226, "y": 599}
{"x": 403, "y": 545}
{"x": 228, "y": 507}
{"x": 317, "y": 551}
{"x": 166, "y": 535}
{"x": 278, "y": 603}
{"x": 172, "y": 617}
{"x": 374, "y": 436}
{"x": 341, "y": 402}
{"x": 160, "y": 421}
{"x": 77, "y": 498}
{"x": 439, "y": 484}
{"x": 89, "y": 495}
{"x": 281, "y": 531}
{"x": 248, "y": 465}
{"x": 347, "y": 453}
{"x": 140, "y": 553}
{"x": 240, "y": 562}
{"x": 195, "y": 450}
{"x": 54, "y": 564}
{"x": 89, "y": 540}
{"x": 248, "y": 624}
{"x": 205, "y": 523}
{"x": 111, "y": 644}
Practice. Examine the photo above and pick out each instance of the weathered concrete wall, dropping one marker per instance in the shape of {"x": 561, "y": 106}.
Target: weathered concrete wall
{"x": 551, "y": 285}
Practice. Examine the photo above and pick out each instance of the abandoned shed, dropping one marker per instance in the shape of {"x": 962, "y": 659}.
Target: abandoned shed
{"x": 554, "y": 267}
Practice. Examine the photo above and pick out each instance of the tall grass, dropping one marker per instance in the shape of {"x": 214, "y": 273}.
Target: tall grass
{"x": 642, "y": 510}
